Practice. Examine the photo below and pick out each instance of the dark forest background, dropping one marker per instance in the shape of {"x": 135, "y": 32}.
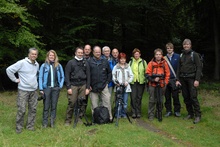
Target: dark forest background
{"x": 123, "y": 24}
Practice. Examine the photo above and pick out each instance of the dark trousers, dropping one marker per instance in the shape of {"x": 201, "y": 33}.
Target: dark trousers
{"x": 136, "y": 97}
{"x": 169, "y": 94}
{"x": 50, "y": 104}
{"x": 189, "y": 93}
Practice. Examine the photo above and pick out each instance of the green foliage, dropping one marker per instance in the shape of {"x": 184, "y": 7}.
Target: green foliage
{"x": 16, "y": 31}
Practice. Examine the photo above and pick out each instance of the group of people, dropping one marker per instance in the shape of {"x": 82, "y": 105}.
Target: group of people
{"x": 96, "y": 76}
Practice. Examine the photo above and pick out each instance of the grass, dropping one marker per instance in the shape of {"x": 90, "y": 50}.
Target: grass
{"x": 173, "y": 131}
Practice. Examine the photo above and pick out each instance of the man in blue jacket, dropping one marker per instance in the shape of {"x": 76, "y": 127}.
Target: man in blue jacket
{"x": 171, "y": 90}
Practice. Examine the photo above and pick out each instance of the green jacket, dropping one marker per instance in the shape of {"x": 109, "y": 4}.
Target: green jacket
{"x": 139, "y": 72}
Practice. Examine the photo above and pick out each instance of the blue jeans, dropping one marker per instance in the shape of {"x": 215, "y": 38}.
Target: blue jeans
{"x": 122, "y": 112}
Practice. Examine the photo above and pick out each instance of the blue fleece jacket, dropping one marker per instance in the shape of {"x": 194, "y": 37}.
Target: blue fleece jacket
{"x": 174, "y": 62}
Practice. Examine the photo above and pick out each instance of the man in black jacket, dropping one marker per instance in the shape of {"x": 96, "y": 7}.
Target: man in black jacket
{"x": 77, "y": 78}
{"x": 188, "y": 75}
{"x": 101, "y": 75}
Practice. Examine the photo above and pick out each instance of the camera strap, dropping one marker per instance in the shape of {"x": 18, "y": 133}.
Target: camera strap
{"x": 171, "y": 67}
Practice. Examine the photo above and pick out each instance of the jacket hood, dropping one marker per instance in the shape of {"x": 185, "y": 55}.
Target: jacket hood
{"x": 29, "y": 61}
{"x": 118, "y": 65}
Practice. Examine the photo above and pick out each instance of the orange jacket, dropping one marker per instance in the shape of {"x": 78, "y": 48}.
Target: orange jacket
{"x": 155, "y": 68}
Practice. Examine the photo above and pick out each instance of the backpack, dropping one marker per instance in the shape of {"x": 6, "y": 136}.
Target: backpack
{"x": 101, "y": 115}
{"x": 201, "y": 57}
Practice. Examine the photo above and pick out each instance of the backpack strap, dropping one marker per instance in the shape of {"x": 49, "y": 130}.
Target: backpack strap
{"x": 131, "y": 61}
{"x": 171, "y": 67}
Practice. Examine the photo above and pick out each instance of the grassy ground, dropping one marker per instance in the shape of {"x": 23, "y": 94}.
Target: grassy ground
{"x": 171, "y": 131}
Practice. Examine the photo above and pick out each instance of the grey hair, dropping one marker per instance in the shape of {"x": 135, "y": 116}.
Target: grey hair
{"x": 32, "y": 49}
{"x": 105, "y": 47}
{"x": 187, "y": 41}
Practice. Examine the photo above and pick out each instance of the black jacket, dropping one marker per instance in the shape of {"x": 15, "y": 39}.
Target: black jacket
{"x": 188, "y": 67}
{"x": 100, "y": 74}
{"x": 77, "y": 73}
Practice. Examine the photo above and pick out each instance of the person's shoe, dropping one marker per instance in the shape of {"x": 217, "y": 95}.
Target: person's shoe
{"x": 168, "y": 114}
{"x": 18, "y": 131}
{"x": 197, "y": 119}
{"x": 44, "y": 126}
{"x": 31, "y": 129}
{"x": 52, "y": 125}
{"x": 133, "y": 115}
{"x": 188, "y": 117}
{"x": 151, "y": 118}
{"x": 117, "y": 116}
{"x": 67, "y": 124}
{"x": 124, "y": 116}
{"x": 177, "y": 114}
{"x": 138, "y": 115}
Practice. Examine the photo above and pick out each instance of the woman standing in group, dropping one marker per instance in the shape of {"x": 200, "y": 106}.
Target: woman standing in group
{"x": 122, "y": 75}
{"x": 138, "y": 67}
{"x": 51, "y": 79}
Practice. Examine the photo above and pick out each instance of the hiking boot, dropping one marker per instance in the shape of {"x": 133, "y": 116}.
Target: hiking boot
{"x": 67, "y": 124}
{"x": 168, "y": 114}
{"x": 31, "y": 129}
{"x": 188, "y": 117}
{"x": 124, "y": 116}
{"x": 151, "y": 118}
{"x": 133, "y": 115}
{"x": 18, "y": 131}
{"x": 138, "y": 115}
{"x": 177, "y": 114}
{"x": 197, "y": 119}
{"x": 44, "y": 126}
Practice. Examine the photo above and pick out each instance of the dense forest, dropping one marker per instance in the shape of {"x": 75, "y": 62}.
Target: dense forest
{"x": 123, "y": 24}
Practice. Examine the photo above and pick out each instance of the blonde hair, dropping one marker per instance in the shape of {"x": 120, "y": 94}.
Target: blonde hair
{"x": 56, "y": 60}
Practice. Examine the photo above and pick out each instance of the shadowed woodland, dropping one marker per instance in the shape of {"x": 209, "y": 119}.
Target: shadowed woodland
{"x": 124, "y": 24}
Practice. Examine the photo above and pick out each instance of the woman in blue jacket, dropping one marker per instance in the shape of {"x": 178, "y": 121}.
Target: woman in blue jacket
{"x": 51, "y": 79}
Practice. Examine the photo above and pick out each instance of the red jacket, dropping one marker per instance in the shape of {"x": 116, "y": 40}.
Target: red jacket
{"x": 155, "y": 68}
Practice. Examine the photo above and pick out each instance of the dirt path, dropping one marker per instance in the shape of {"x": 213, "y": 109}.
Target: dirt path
{"x": 152, "y": 128}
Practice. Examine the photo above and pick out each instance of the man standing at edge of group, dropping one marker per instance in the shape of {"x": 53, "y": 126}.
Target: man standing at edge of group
{"x": 188, "y": 75}
{"x": 172, "y": 90}
{"x": 101, "y": 75}
{"x": 77, "y": 78}
{"x": 27, "y": 70}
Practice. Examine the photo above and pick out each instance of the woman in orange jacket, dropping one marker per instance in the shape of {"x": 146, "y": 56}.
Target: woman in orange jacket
{"x": 158, "y": 74}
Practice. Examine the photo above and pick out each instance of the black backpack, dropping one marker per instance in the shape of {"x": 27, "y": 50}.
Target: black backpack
{"x": 101, "y": 115}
